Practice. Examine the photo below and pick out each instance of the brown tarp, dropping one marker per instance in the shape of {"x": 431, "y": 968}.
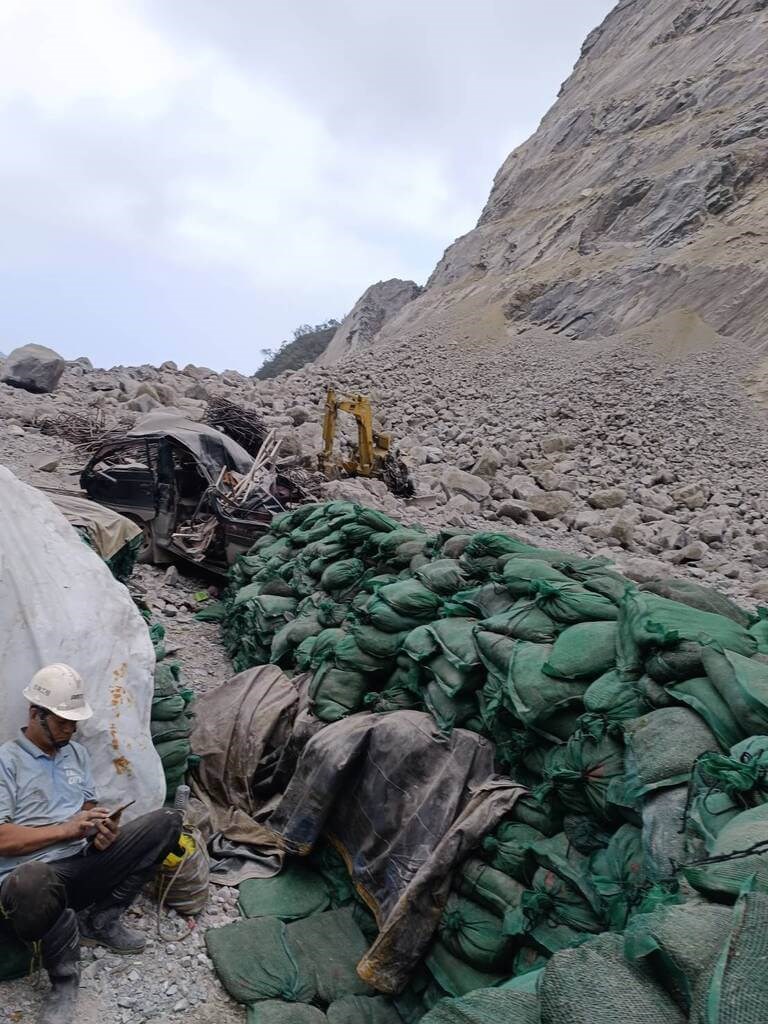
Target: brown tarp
{"x": 241, "y": 727}
{"x": 404, "y": 804}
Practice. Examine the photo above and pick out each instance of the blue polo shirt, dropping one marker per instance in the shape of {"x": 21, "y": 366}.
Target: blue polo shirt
{"x": 36, "y": 789}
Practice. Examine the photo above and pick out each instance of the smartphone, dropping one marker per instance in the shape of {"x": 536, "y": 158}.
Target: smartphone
{"x": 112, "y": 816}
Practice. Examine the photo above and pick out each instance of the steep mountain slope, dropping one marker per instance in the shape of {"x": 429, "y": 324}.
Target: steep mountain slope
{"x": 642, "y": 192}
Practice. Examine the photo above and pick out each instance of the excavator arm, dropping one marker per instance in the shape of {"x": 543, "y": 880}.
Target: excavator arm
{"x": 372, "y": 448}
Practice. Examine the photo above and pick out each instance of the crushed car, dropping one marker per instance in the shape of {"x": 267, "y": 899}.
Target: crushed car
{"x": 194, "y": 491}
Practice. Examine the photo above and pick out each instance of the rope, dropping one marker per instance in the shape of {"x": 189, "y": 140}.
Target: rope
{"x": 164, "y": 896}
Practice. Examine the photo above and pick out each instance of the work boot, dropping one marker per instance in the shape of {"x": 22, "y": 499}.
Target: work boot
{"x": 60, "y": 949}
{"x": 104, "y": 927}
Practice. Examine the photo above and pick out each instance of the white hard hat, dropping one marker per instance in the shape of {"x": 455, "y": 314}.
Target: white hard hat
{"x": 59, "y": 689}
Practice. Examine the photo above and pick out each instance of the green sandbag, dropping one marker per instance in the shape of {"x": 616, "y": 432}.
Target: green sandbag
{"x": 534, "y": 695}
{"x": 595, "y": 574}
{"x": 303, "y": 654}
{"x": 363, "y": 1010}
{"x": 618, "y": 875}
{"x": 488, "y": 887}
{"x": 721, "y": 875}
{"x": 701, "y": 696}
{"x": 734, "y": 990}
{"x": 176, "y": 728}
{"x": 275, "y": 1011}
{"x": 480, "y": 602}
{"x": 706, "y": 599}
{"x": 173, "y": 753}
{"x": 614, "y": 697}
{"x": 486, "y": 1006}
{"x": 662, "y": 747}
{"x": 584, "y": 651}
{"x": 454, "y": 682}
{"x": 443, "y": 576}
{"x": 348, "y": 654}
{"x": 540, "y": 812}
{"x": 329, "y": 947}
{"x": 569, "y": 603}
{"x": 376, "y": 642}
{"x": 591, "y": 762}
{"x": 342, "y": 575}
{"x": 678, "y": 943}
{"x": 649, "y": 622}
{"x": 165, "y": 709}
{"x": 335, "y": 693}
{"x": 523, "y": 621}
{"x": 324, "y": 648}
{"x": 759, "y": 630}
{"x": 508, "y": 849}
{"x": 529, "y": 959}
{"x": 382, "y": 616}
{"x": 254, "y": 960}
{"x": 411, "y": 599}
{"x": 473, "y": 933}
{"x": 680, "y": 662}
{"x": 448, "y": 712}
{"x": 15, "y": 958}
{"x": 520, "y": 573}
{"x": 393, "y": 698}
{"x": 743, "y": 685}
{"x": 290, "y": 636}
{"x": 595, "y": 984}
{"x": 453, "y": 975}
{"x": 295, "y": 893}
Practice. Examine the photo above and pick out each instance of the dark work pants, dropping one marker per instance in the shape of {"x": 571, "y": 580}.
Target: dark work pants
{"x": 36, "y": 894}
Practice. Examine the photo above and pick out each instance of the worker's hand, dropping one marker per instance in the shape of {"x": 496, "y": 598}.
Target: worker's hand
{"x": 108, "y": 829}
{"x": 84, "y": 823}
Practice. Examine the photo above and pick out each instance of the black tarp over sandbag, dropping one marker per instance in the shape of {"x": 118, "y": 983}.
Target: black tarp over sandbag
{"x": 391, "y": 790}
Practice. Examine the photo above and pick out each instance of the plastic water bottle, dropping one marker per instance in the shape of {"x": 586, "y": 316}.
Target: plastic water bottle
{"x": 181, "y": 800}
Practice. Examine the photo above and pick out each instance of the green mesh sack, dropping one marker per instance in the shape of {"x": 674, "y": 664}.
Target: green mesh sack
{"x": 738, "y": 853}
{"x": 167, "y": 678}
{"x": 348, "y": 654}
{"x": 455, "y": 977}
{"x": 486, "y": 1006}
{"x": 584, "y": 651}
{"x": 254, "y": 960}
{"x": 329, "y": 947}
{"x": 539, "y": 811}
{"x": 335, "y": 693}
{"x": 295, "y": 893}
{"x": 678, "y": 943}
{"x": 363, "y": 1010}
{"x": 617, "y": 873}
{"x": 289, "y": 637}
{"x": 275, "y": 1011}
{"x": 342, "y": 575}
{"x": 444, "y": 576}
{"x": 701, "y": 696}
{"x": 647, "y": 622}
{"x": 676, "y": 663}
{"x": 165, "y": 709}
{"x": 473, "y": 933}
{"x": 488, "y": 887}
{"x": 523, "y": 621}
{"x": 759, "y": 630}
{"x": 382, "y": 616}
{"x": 520, "y": 573}
{"x": 614, "y": 697}
{"x": 591, "y": 762}
{"x": 303, "y": 654}
{"x": 480, "y": 602}
{"x": 509, "y": 849}
{"x": 448, "y": 712}
{"x": 569, "y": 603}
{"x": 411, "y": 599}
{"x": 536, "y": 697}
{"x": 595, "y": 984}
{"x": 15, "y": 958}
{"x": 529, "y": 959}
{"x": 164, "y": 731}
{"x": 324, "y": 648}
{"x": 662, "y": 747}
{"x": 595, "y": 575}
{"x": 376, "y": 642}
{"x": 743, "y": 685}
{"x": 735, "y": 988}
{"x": 173, "y": 753}
{"x": 706, "y": 599}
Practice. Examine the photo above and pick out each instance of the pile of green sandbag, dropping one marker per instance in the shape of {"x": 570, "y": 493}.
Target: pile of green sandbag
{"x": 629, "y": 712}
{"x": 172, "y": 716}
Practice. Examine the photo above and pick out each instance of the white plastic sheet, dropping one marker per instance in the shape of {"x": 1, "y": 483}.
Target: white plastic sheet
{"x": 60, "y": 602}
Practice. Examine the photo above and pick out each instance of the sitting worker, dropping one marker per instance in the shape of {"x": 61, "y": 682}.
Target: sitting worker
{"x": 68, "y": 870}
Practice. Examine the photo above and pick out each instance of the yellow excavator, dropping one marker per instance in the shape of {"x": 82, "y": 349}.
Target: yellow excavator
{"x": 372, "y": 456}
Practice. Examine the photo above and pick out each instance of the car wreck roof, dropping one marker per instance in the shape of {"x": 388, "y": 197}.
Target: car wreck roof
{"x": 210, "y": 447}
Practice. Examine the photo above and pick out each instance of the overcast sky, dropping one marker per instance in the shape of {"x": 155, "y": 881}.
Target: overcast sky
{"x": 191, "y": 179}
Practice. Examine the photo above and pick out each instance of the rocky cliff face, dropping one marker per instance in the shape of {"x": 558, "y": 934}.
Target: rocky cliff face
{"x": 373, "y": 309}
{"x": 642, "y": 192}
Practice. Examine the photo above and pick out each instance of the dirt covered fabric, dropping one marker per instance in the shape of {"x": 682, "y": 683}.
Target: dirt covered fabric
{"x": 404, "y": 804}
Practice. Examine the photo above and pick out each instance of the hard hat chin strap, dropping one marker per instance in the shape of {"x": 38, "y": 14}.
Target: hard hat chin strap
{"x": 43, "y": 714}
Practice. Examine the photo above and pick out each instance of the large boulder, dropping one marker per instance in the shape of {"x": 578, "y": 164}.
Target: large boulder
{"x": 34, "y": 368}
{"x": 456, "y": 481}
